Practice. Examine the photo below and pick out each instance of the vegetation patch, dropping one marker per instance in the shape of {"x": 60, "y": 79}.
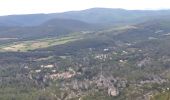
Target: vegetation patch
{"x": 36, "y": 44}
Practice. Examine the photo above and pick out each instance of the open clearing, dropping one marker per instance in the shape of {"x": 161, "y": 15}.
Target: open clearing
{"x": 23, "y": 46}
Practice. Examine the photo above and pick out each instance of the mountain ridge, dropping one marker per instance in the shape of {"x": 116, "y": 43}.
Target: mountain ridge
{"x": 108, "y": 16}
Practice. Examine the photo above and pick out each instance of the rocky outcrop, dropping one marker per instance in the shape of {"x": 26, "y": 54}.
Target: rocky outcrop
{"x": 112, "y": 91}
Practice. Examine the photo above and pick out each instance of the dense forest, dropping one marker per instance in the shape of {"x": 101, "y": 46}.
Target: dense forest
{"x": 58, "y": 58}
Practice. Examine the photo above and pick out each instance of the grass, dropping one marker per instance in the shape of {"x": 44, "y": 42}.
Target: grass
{"x": 97, "y": 96}
{"x": 18, "y": 94}
{"x": 23, "y": 46}
{"x": 162, "y": 96}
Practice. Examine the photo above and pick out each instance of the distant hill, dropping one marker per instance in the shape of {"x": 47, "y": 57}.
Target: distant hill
{"x": 147, "y": 34}
{"x": 24, "y": 20}
{"x": 151, "y": 29}
{"x": 119, "y": 62}
{"x": 114, "y": 16}
{"x": 67, "y": 24}
{"x": 145, "y": 23}
{"x": 106, "y": 16}
{"x": 54, "y": 27}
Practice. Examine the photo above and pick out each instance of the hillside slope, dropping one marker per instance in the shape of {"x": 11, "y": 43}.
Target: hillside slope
{"x": 106, "y": 16}
{"x": 54, "y": 27}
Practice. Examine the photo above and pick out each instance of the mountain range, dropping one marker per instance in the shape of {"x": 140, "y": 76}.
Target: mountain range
{"x": 93, "y": 54}
{"x": 56, "y": 24}
{"x": 93, "y": 15}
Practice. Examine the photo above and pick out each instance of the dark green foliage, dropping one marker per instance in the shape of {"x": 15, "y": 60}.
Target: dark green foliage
{"x": 134, "y": 61}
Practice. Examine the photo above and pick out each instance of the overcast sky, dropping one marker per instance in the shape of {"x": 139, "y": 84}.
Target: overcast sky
{"x": 8, "y": 7}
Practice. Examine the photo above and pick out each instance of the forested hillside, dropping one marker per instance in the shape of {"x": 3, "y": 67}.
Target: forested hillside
{"x": 69, "y": 58}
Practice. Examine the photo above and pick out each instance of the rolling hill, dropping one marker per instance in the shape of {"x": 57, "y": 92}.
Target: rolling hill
{"x": 54, "y": 27}
{"x": 131, "y": 61}
{"x": 105, "y": 16}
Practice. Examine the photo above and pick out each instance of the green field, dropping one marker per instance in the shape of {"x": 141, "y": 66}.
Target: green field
{"x": 23, "y": 46}
{"x": 162, "y": 96}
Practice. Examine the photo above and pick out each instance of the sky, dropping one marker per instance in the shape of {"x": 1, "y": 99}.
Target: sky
{"x": 9, "y": 7}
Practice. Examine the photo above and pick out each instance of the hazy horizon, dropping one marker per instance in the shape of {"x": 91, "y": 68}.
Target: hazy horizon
{"x": 82, "y": 10}
{"x": 17, "y": 7}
